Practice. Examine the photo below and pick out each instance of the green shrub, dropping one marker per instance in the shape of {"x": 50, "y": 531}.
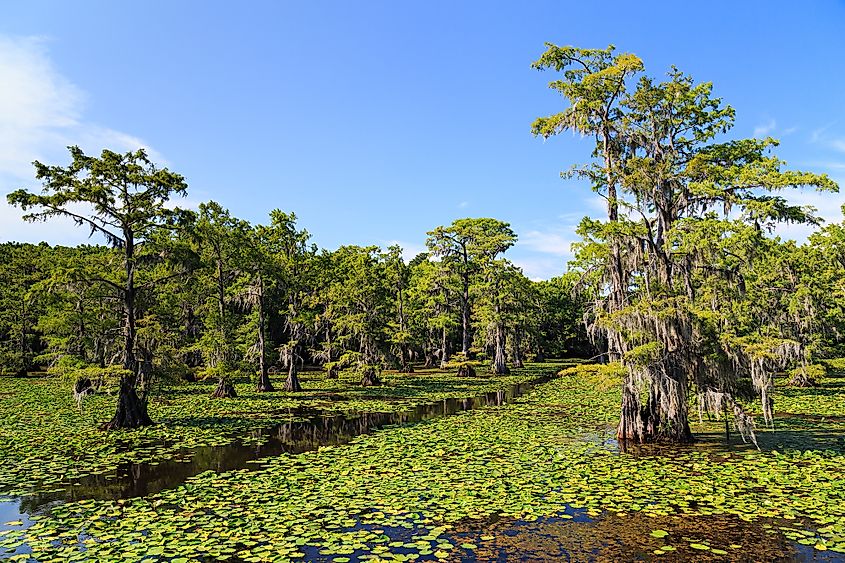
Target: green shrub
{"x": 606, "y": 376}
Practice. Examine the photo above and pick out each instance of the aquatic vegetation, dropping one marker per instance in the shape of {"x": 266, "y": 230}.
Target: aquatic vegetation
{"x": 45, "y": 440}
{"x": 410, "y": 491}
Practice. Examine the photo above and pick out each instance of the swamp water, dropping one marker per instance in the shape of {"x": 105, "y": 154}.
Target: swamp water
{"x": 309, "y": 430}
{"x": 575, "y": 535}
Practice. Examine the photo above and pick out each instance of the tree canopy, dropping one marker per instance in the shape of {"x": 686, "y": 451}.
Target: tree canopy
{"x": 688, "y": 216}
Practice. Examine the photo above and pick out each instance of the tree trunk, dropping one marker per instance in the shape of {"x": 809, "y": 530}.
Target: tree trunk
{"x": 630, "y": 423}
{"x": 129, "y": 362}
{"x": 406, "y": 366}
{"x": 429, "y": 354}
{"x": 499, "y": 366}
{"x": 144, "y": 379}
{"x": 465, "y": 318}
{"x": 225, "y": 356}
{"x": 264, "y": 383}
{"x": 224, "y": 390}
{"x": 652, "y": 422}
{"x": 131, "y": 411}
{"x": 24, "y": 367}
{"x": 328, "y": 343}
{"x": 80, "y": 330}
{"x": 292, "y": 382}
{"x": 517, "y": 349}
{"x": 801, "y": 379}
{"x": 404, "y": 360}
{"x": 370, "y": 378}
{"x": 466, "y": 370}
{"x": 444, "y": 354}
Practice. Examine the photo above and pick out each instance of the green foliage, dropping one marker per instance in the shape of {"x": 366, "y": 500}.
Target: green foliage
{"x": 560, "y": 330}
{"x": 606, "y": 377}
{"x": 229, "y": 372}
{"x": 811, "y": 374}
{"x": 644, "y": 354}
{"x": 467, "y": 250}
{"x": 834, "y": 365}
{"x": 182, "y": 292}
{"x": 681, "y": 274}
{"x": 221, "y": 244}
{"x": 22, "y": 267}
{"x": 125, "y": 199}
{"x": 109, "y": 377}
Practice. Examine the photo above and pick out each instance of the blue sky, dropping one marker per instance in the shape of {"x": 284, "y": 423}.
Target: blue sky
{"x": 377, "y": 121}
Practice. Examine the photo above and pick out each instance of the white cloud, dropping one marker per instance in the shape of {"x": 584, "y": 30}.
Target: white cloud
{"x": 540, "y": 268}
{"x": 817, "y": 134}
{"x": 828, "y": 207}
{"x": 765, "y": 128}
{"x": 41, "y": 113}
{"x": 597, "y": 206}
{"x": 828, "y": 141}
{"x": 575, "y": 218}
{"x": 838, "y": 144}
{"x": 463, "y": 204}
{"x": 557, "y": 242}
{"x": 543, "y": 252}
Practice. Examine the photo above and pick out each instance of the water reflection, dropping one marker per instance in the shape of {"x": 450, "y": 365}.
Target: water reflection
{"x": 309, "y": 430}
{"x": 611, "y": 537}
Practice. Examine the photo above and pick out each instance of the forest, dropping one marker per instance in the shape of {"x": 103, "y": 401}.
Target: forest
{"x": 184, "y": 295}
{"x": 192, "y": 386}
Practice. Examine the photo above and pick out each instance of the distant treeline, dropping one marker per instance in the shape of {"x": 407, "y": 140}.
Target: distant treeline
{"x": 219, "y": 296}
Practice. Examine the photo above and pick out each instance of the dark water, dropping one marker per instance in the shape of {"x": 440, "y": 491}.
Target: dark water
{"x": 310, "y": 430}
{"x": 610, "y": 537}
{"x": 574, "y": 535}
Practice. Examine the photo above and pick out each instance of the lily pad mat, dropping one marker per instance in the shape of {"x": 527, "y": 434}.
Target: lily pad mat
{"x": 45, "y": 440}
{"x": 522, "y": 461}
